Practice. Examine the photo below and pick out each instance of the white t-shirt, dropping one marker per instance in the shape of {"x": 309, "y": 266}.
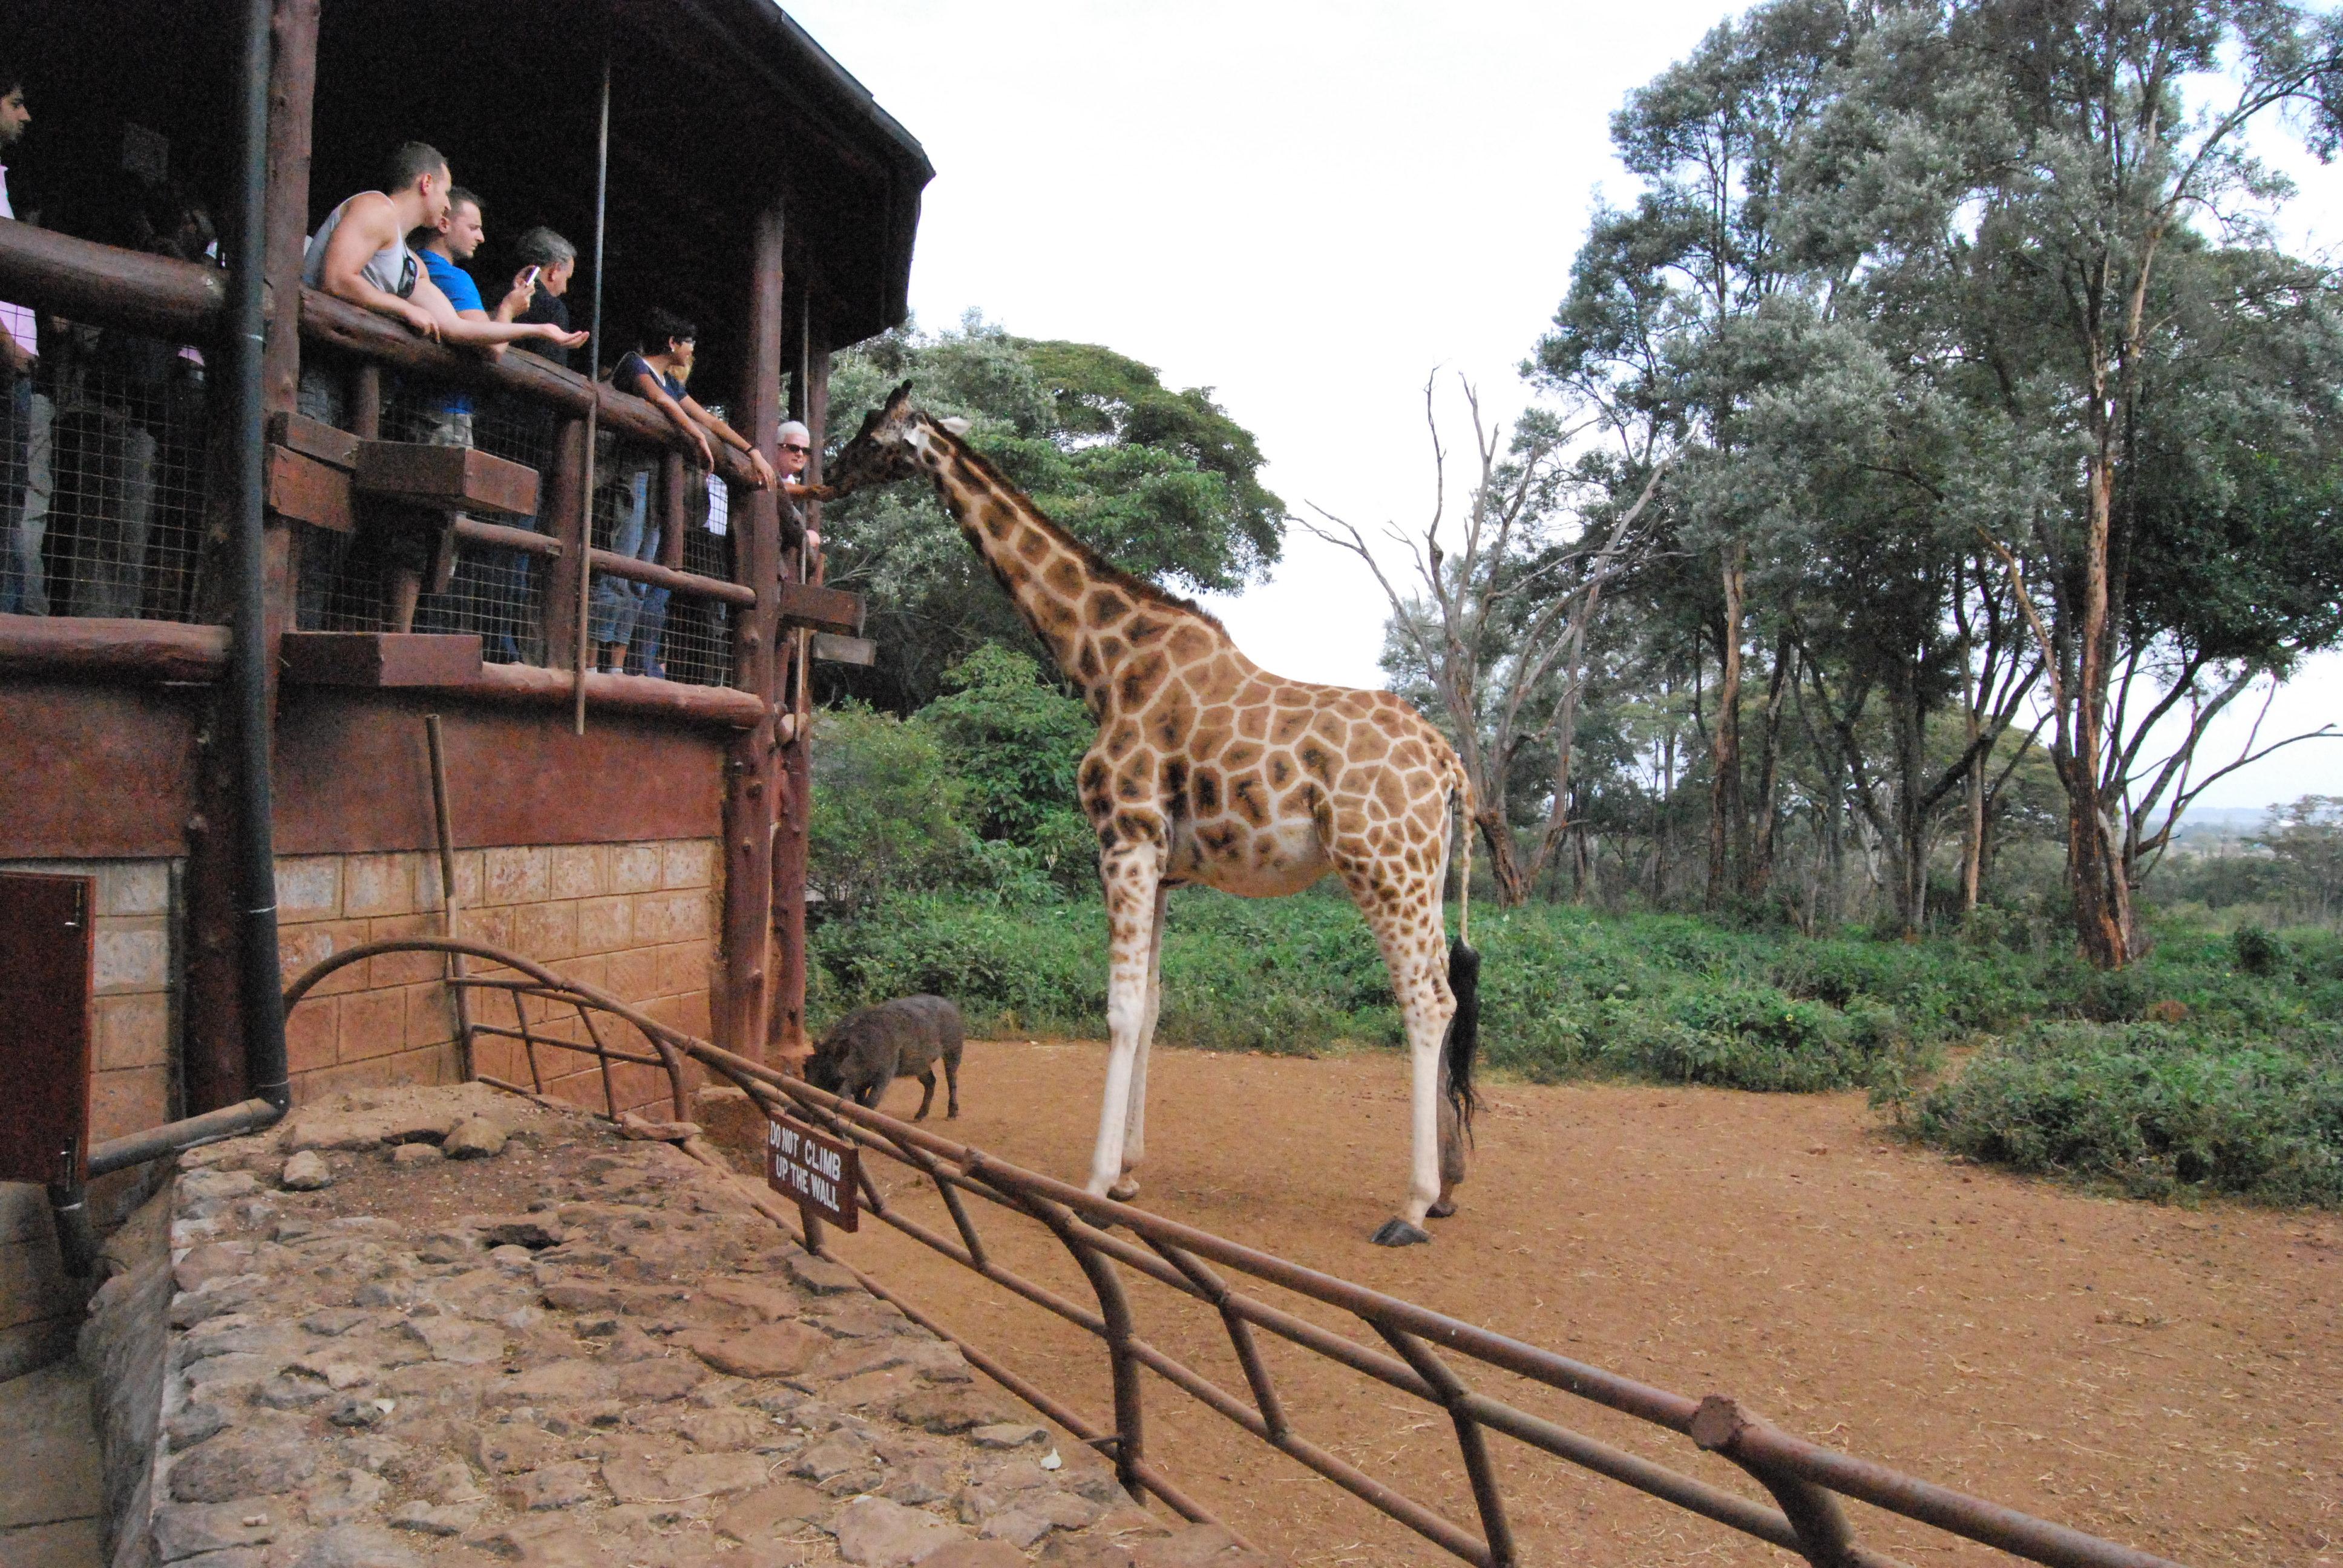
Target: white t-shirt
{"x": 15, "y": 320}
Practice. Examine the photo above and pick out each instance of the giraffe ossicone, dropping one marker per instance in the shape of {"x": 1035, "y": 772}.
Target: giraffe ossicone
{"x": 1209, "y": 770}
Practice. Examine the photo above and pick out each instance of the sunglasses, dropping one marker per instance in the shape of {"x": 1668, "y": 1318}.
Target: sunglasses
{"x": 801, "y": 451}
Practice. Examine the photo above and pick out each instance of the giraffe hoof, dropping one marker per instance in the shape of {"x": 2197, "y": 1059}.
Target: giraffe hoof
{"x": 1125, "y": 1191}
{"x": 1442, "y": 1209}
{"x": 1398, "y": 1232}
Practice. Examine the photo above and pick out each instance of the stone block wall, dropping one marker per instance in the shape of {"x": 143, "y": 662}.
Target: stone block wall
{"x": 637, "y": 920}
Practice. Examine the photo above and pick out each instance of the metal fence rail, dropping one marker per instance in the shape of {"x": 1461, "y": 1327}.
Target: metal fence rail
{"x": 1428, "y": 1349}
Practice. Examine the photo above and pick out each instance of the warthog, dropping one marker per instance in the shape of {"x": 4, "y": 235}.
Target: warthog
{"x": 870, "y": 1049}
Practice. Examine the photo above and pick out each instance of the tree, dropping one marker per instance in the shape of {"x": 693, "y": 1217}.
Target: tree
{"x": 1499, "y": 629}
{"x": 1162, "y": 482}
{"x": 2097, "y": 249}
{"x": 2306, "y": 838}
{"x": 1013, "y": 739}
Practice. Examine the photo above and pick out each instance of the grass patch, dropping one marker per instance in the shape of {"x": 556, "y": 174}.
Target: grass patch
{"x": 2214, "y": 1066}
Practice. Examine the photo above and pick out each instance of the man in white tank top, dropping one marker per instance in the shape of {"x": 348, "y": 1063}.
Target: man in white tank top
{"x": 360, "y": 254}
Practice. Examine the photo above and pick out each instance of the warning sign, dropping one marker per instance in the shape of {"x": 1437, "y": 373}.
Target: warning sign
{"x": 818, "y": 1173}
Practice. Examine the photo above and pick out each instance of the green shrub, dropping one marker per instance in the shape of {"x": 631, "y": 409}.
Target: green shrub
{"x": 883, "y": 814}
{"x": 2259, "y": 951}
{"x": 2157, "y": 1111}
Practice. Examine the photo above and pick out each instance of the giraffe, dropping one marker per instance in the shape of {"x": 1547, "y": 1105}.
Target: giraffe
{"x": 1209, "y": 770}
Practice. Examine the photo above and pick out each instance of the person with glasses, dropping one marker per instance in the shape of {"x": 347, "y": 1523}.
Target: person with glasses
{"x": 797, "y": 451}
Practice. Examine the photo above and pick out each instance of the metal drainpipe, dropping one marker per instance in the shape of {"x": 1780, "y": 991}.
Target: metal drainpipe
{"x": 262, "y": 1003}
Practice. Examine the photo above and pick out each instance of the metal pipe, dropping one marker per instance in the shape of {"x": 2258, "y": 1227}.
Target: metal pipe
{"x": 158, "y": 1142}
{"x": 249, "y": 655}
{"x": 584, "y": 651}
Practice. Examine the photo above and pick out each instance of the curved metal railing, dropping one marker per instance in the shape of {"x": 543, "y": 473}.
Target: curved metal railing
{"x": 1806, "y": 1479}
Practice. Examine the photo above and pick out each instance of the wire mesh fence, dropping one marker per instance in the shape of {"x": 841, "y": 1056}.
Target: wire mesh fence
{"x": 105, "y": 510}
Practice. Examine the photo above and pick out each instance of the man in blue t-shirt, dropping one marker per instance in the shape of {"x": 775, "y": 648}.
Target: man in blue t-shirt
{"x": 458, "y": 238}
{"x": 448, "y": 418}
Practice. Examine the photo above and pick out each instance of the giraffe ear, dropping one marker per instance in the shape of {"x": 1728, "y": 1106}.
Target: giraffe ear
{"x": 955, "y": 424}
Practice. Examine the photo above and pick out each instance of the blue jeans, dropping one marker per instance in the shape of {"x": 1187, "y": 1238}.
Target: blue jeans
{"x": 618, "y": 602}
{"x": 22, "y": 588}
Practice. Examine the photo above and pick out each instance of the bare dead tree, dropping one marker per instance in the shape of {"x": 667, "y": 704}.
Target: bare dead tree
{"x": 1501, "y": 625}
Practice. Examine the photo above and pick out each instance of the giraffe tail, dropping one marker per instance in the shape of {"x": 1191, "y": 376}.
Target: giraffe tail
{"x": 1463, "y": 1041}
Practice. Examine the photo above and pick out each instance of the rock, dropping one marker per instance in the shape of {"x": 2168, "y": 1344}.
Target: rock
{"x": 358, "y": 1546}
{"x": 229, "y": 1293}
{"x": 358, "y": 1411}
{"x": 921, "y": 1481}
{"x": 975, "y": 1554}
{"x": 776, "y": 1350}
{"x": 654, "y": 1382}
{"x": 762, "y": 1304}
{"x": 579, "y": 1297}
{"x": 947, "y": 1411}
{"x": 451, "y": 1482}
{"x": 553, "y": 1486}
{"x": 185, "y": 1529}
{"x": 409, "y": 1154}
{"x": 306, "y": 1173}
{"x": 870, "y": 1389}
{"x": 193, "y": 1422}
{"x": 731, "y": 1431}
{"x": 448, "y": 1247}
{"x": 251, "y": 1462}
{"x": 475, "y": 1138}
{"x": 292, "y": 1389}
{"x": 628, "y": 1344}
{"x": 713, "y": 1474}
{"x": 211, "y": 1261}
{"x": 334, "y": 1322}
{"x": 521, "y": 1231}
{"x": 874, "y": 1531}
{"x": 511, "y": 1259}
{"x": 778, "y": 1509}
{"x": 1006, "y": 1434}
{"x": 861, "y": 1317}
{"x": 833, "y": 1455}
{"x": 215, "y": 1187}
{"x": 1036, "y": 1513}
{"x": 633, "y": 1478}
{"x": 338, "y": 1498}
{"x": 821, "y": 1276}
{"x": 555, "y": 1382}
{"x": 233, "y": 1557}
{"x": 364, "y": 1129}
{"x": 458, "y": 1340}
{"x": 560, "y": 1546}
{"x": 508, "y": 1449}
{"x": 425, "y": 1520}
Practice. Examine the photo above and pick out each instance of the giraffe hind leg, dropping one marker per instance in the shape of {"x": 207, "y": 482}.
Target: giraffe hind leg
{"x": 1405, "y": 919}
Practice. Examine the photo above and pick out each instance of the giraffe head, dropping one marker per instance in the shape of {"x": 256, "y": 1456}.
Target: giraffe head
{"x": 890, "y": 444}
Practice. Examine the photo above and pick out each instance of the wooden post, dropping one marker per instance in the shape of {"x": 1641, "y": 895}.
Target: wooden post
{"x": 565, "y": 517}
{"x": 789, "y": 1042}
{"x": 212, "y": 1050}
{"x": 751, "y": 775}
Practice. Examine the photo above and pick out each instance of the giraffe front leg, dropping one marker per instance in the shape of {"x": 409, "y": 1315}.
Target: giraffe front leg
{"x": 1132, "y": 876}
{"x": 1135, "y": 1146}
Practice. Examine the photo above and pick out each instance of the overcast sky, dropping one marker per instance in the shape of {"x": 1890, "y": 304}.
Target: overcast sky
{"x": 1307, "y": 206}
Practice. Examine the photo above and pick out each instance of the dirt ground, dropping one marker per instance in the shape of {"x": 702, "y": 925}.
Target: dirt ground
{"x": 2164, "y": 1377}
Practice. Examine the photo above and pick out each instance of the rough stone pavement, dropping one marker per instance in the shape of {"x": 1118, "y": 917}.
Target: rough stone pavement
{"x": 573, "y": 1350}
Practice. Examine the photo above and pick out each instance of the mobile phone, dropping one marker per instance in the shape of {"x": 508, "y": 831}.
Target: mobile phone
{"x": 528, "y": 277}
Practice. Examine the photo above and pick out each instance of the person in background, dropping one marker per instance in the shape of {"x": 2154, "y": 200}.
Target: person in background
{"x": 23, "y": 589}
{"x": 547, "y": 263}
{"x": 656, "y": 372}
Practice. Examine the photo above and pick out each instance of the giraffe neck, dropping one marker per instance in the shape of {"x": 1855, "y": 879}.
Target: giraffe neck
{"x": 1085, "y": 616}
